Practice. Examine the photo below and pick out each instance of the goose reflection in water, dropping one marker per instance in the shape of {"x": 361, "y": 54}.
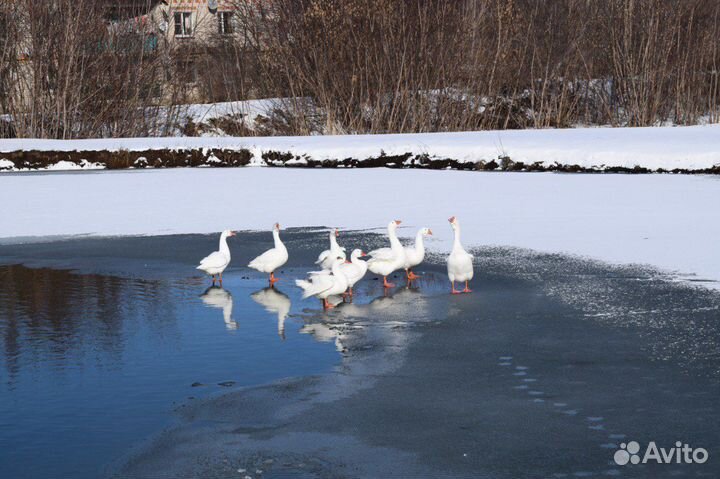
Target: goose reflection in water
{"x": 325, "y": 334}
{"x": 217, "y": 297}
{"x": 405, "y": 302}
{"x": 274, "y": 301}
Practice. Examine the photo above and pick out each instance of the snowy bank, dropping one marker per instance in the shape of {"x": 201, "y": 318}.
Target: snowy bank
{"x": 680, "y": 149}
{"x": 671, "y": 222}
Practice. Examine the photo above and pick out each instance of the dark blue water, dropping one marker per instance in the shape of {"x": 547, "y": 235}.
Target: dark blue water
{"x": 91, "y": 364}
{"x": 544, "y": 371}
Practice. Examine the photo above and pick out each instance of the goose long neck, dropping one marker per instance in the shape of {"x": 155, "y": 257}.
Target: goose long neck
{"x": 419, "y": 243}
{"x": 456, "y": 242}
{"x": 394, "y": 241}
{"x": 276, "y": 239}
{"x": 224, "y": 246}
{"x": 333, "y": 241}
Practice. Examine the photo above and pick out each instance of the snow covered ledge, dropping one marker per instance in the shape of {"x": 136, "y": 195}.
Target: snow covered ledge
{"x": 693, "y": 149}
{"x": 668, "y": 221}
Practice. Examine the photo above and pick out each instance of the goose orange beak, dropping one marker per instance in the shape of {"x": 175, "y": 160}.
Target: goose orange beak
{"x": 430, "y": 232}
{"x": 451, "y": 219}
{"x": 397, "y": 222}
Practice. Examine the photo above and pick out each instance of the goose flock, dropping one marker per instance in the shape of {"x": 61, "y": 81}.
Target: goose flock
{"x": 338, "y": 275}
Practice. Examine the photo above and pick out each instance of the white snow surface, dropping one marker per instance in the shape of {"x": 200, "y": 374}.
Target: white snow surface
{"x": 250, "y": 109}
{"x": 668, "y": 221}
{"x": 691, "y": 147}
{"x": 69, "y": 165}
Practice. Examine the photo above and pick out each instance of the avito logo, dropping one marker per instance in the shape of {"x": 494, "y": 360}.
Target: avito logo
{"x": 680, "y": 454}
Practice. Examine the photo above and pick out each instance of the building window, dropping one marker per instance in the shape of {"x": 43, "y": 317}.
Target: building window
{"x": 225, "y": 26}
{"x": 183, "y": 24}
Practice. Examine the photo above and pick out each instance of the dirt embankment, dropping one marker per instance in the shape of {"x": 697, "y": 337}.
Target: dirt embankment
{"x": 219, "y": 158}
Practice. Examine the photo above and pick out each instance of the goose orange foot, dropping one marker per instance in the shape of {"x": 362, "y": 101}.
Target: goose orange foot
{"x": 386, "y": 284}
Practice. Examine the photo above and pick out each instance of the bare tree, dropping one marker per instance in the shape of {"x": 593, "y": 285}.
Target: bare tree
{"x": 363, "y": 66}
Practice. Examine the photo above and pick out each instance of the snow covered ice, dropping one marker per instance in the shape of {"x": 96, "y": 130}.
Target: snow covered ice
{"x": 668, "y": 221}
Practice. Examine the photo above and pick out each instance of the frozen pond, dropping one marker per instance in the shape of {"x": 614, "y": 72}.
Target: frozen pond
{"x": 116, "y": 360}
{"x": 92, "y": 363}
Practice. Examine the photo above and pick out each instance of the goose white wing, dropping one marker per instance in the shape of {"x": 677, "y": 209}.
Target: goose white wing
{"x": 412, "y": 257}
{"x": 324, "y": 272}
{"x": 354, "y": 272}
{"x": 265, "y": 260}
{"x": 460, "y": 266}
{"x": 317, "y": 284}
{"x": 326, "y": 258}
{"x": 382, "y": 254}
{"x": 213, "y": 260}
{"x": 323, "y": 256}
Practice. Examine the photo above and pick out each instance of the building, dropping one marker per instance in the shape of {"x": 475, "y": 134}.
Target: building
{"x": 193, "y": 20}
{"x": 196, "y": 32}
{"x": 178, "y": 51}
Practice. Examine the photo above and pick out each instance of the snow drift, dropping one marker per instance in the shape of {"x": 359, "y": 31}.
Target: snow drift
{"x": 679, "y": 149}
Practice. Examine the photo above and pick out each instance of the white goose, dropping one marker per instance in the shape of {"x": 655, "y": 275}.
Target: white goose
{"x": 215, "y": 263}
{"x": 460, "y": 262}
{"x": 324, "y": 285}
{"x": 414, "y": 255}
{"x": 273, "y": 258}
{"x": 354, "y": 271}
{"x": 327, "y": 257}
{"x": 384, "y": 261}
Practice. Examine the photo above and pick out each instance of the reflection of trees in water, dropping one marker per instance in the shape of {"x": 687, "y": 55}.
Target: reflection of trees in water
{"x": 52, "y": 316}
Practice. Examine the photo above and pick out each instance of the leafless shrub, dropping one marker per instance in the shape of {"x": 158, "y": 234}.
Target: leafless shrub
{"x": 397, "y": 66}
{"x": 77, "y": 74}
{"x": 363, "y": 66}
